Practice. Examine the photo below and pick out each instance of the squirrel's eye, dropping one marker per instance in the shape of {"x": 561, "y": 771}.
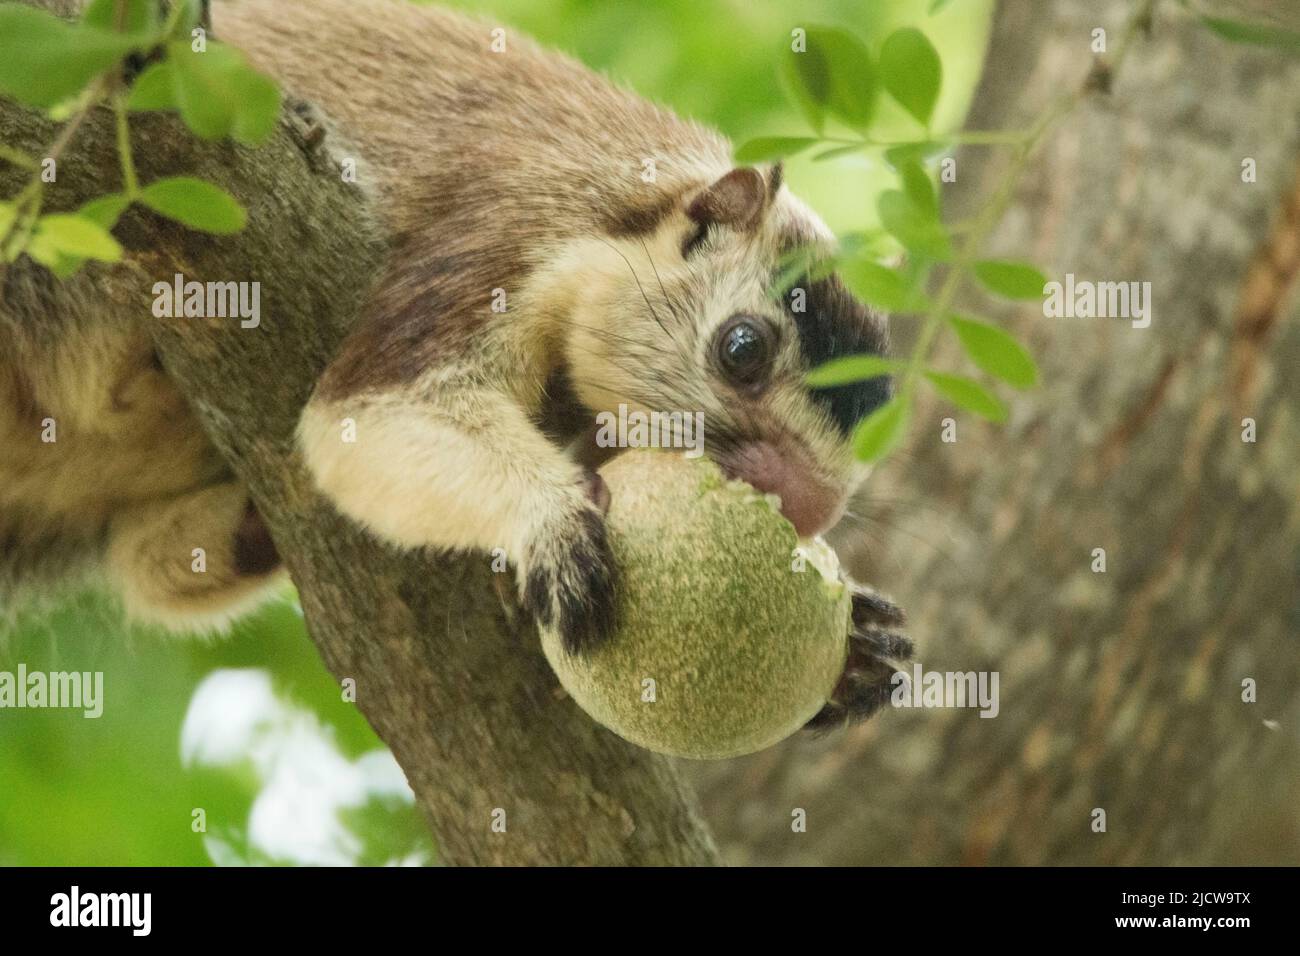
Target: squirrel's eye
{"x": 745, "y": 349}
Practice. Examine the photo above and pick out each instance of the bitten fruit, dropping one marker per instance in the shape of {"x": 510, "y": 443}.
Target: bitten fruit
{"x": 728, "y": 639}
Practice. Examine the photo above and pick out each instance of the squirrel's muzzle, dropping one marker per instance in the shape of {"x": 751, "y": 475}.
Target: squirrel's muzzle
{"x": 810, "y": 502}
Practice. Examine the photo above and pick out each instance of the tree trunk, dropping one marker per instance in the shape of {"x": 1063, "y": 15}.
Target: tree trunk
{"x": 450, "y": 679}
{"x": 1120, "y": 690}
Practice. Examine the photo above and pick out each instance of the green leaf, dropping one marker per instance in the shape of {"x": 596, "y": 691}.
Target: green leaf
{"x": 853, "y": 77}
{"x": 881, "y": 432}
{"x": 73, "y": 235}
{"x": 141, "y": 15}
{"x": 911, "y": 72}
{"x": 64, "y": 109}
{"x": 803, "y": 77}
{"x": 1013, "y": 280}
{"x": 919, "y": 189}
{"x": 995, "y": 352}
{"x": 196, "y": 203}
{"x": 968, "y": 394}
{"x": 851, "y": 368}
{"x": 801, "y": 265}
{"x": 45, "y": 251}
{"x": 919, "y": 152}
{"x": 219, "y": 95}
{"x": 191, "y": 13}
{"x": 881, "y": 287}
{"x": 65, "y": 267}
{"x": 937, "y": 5}
{"x": 1255, "y": 34}
{"x": 8, "y": 212}
{"x": 915, "y": 227}
{"x": 834, "y": 74}
{"x": 772, "y": 147}
{"x": 865, "y": 244}
{"x": 48, "y": 255}
{"x": 258, "y": 108}
{"x": 201, "y": 87}
{"x": 154, "y": 89}
{"x": 44, "y": 60}
{"x": 105, "y": 210}
{"x": 836, "y": 152}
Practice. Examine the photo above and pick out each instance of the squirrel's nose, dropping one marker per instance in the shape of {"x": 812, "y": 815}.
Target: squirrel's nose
{"x": 809, "y": 502}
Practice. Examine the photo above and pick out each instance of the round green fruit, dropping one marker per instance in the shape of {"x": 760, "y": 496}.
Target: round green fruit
{"x": 728, "y": 640}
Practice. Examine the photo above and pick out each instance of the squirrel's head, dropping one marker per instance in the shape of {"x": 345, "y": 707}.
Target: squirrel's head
{"x": 683, "y": 315}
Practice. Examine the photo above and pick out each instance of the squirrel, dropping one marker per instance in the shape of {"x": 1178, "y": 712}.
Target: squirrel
{"x": 560, "y": 247}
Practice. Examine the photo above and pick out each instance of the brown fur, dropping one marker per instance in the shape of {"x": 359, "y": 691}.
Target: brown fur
{"x": 126, "y": 447}
{"x": 516, "y": 174}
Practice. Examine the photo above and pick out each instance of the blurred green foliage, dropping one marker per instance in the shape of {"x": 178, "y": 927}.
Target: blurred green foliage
{"x": 715, "y": 61}
{"x": 116, "y": 790}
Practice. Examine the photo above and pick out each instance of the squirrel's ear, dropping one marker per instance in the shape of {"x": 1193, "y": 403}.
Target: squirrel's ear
{"x": 738, "y": 199}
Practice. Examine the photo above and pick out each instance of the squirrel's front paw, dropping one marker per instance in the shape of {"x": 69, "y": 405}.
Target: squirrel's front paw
{"x": 568, "y": 578}
{"x": 875, "y": 643}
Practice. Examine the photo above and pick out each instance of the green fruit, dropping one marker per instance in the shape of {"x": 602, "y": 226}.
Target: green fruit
{"x": 741, "y": 647}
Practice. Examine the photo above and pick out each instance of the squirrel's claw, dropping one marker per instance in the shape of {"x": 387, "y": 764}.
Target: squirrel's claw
{"x": 868, "y": 679}
{"x": 571, "y": 581}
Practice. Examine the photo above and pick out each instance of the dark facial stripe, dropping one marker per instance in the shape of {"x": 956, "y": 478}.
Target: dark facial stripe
{"x": 833, "y": 325}
{"x": 629, "y": 220}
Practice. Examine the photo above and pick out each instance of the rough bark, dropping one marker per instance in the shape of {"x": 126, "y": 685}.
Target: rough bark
{"x": 1121, "y": 690}
{"x": 445, "y": 672}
